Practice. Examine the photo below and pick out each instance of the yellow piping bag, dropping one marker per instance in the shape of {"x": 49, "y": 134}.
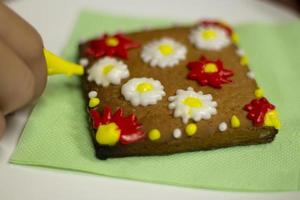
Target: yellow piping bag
{"x": 57, "y": 65}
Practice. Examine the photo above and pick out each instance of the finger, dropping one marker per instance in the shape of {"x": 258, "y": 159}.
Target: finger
{"x": 17, "y": 83}
{"x": 2, "y": 124}
{"x": 26, "y": 42}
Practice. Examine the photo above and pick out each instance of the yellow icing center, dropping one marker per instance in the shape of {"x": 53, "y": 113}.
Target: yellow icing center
{"x": 107, "y": 69}
{"x": 144, "y": 87}
{"x": 154, "y": 134}
{"x": 209, "y": 34}
{"x": 272, "y": 119}
{"x": 191, "y": 129}
{"x": 235, "y": 122}
{"x": 192, "y": 102}
{"x": 165, "y": 49}
{"x": 112, "y": 41}
{"x": 108, "y": 134}
{"x": 210, "y": 68}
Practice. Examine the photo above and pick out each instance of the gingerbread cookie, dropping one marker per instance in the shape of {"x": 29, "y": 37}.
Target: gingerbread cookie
{"x": 173, "y": 90}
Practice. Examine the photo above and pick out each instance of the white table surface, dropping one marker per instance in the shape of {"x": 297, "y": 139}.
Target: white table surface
{"x": 54, "y": 19}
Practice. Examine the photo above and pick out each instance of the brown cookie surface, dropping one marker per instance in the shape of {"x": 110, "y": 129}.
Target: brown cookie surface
{"x": 231, "y": 99}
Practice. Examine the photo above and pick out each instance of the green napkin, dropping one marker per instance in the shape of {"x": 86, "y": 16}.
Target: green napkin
{"x": 57, "y": 135}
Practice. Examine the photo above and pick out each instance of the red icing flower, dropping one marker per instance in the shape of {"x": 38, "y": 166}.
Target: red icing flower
{"x": 128, "y": 126}
{"x": 257, "y": 110}
{"x": 208, "y": 72}
{"x": 222, "y": 25}
{"x": 115, "y": 45}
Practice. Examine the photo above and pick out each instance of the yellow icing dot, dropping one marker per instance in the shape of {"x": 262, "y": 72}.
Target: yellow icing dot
{"x": 235, "y": 38}
{"x": 259, "y": 93}
{"x": 144, "y": 87}
{"x": 193, "y": 102}
{"x": 272, "y": 119}
{"x": 209, "y": 34}
{"x": 165, "y": 49}
{"x": 235, "y": 122}
{"x": 112, "y": 41}
{"x": 154, "y": 134}
{"x": 210, "y": 68}
{"x": 191, "y": 129}
{"x": 94, "y": 102}
{"x": 108, "y": 134}
{"x": 244, "y": 60}
{"x": 107, "y": 69}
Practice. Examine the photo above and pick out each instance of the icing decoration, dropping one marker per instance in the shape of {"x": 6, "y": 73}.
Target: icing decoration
{"x": 92, "y": 94}
{"x": 94, "y": 102}
{"x": 240, "y": 52}
{"x": 189, "y": 104}
{"x": 222, "y": 126}
{"x": 108, "y": 71}
{"x": 259, "y": 93}
{"x": 84, "y": 62}
{"x": 214, "y": 23}
{"x": 191, "y": 129}
{"x": 272, "y": 119}
{"x": 154, "y": 134}
{"x": 143, "y": 91}
{"x": 235, "y": 38}
{"x": 211, "y": 35}
{"x": 177, "y": 133}
{"x": 257, "y": 110}
{"x": 108, "y": 134}
{"x": 163, "y": 53}
{"x": 208, "y": 72}
{"x": 109, "y": 45}
{"x": 244, "y": 60}
{"x": 250, "y": 74}
{"x": 235, "y": 122}
{"x": 127, "y": 126}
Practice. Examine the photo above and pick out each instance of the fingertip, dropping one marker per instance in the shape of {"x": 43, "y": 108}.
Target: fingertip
{"x": 2, "y": 124}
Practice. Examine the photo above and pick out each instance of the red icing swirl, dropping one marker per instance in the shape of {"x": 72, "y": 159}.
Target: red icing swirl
{"x": 128, "y": 125}
{"x": 214, "y": 78}
{"x": 257, "y": 110}
{"x": 114, "y": 45}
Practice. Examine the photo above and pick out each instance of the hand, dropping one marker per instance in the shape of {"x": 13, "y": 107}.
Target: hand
{"x": 23, "y": 72}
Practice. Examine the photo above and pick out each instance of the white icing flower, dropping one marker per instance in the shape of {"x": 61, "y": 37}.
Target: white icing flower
{"x": 189, "y": 104}
{"x": 143, "y": 91}
{"x": 209, "y": 37}
{"x": 108, "y": 71}
{"x": 163, "y": 53}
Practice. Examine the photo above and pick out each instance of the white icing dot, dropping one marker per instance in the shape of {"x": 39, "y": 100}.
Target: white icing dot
{"x": 82, "y": 40}
{"x": 223, "y": 126}
{"x": 240, "y": 52}
{"x": 250, "y": 74}
{"x": 177, "y": 133}
{"x": 92, "y": 94}
{"x": 84, "y": 62}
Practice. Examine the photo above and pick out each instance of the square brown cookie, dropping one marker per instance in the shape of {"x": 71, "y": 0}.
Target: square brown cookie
{"x": 173, "y": 90}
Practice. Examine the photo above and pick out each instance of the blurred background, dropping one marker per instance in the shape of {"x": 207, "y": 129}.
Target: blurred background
{"x": 292, "y": 4}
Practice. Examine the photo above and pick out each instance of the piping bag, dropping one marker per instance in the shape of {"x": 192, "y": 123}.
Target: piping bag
{"x": 57, "y": 65}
